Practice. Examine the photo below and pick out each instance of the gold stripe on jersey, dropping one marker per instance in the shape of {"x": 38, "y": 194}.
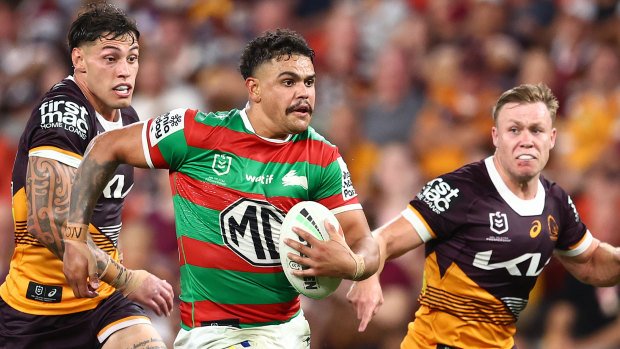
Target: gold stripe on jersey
{"x": 20, "y": 219}
{"x": 102, "y": 241}
{"x": 473, "y": 318}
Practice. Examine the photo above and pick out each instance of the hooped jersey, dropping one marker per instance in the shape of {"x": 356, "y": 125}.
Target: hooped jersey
{"x": 231, "y": 189}
{"x": 60, "y": 128}
{"x": 485, "y": 248}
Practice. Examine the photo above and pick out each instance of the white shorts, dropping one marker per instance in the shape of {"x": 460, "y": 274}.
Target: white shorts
{"x": 294, "y": 334}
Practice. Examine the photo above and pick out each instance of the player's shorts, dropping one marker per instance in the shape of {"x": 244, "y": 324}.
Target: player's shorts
{"x": 294, "y": 334}
{"x": 87, "y": 329}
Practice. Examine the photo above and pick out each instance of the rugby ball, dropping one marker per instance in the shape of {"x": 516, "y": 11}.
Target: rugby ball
{"x": 309, "y": 216}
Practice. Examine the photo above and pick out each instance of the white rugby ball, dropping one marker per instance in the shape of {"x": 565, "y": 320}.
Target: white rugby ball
{"x": 309, "y": 216}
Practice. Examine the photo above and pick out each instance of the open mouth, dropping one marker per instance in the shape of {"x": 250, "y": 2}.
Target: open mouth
{"x": 122, "y": 90}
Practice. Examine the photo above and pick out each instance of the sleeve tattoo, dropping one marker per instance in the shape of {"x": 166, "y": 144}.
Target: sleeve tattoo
{"x": 48, "y": 190}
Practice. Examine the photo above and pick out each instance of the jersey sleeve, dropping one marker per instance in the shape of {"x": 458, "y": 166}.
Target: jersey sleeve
{"x": 573, "y": 235}
{"x": 60, "y": 128}
{"x": 438, "y": 209}
{"x": 164, "y": 139}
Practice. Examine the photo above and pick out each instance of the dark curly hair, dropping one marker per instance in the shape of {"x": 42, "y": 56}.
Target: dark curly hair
{"x": 101, "y": 20}
{"x": 282, "y": 43}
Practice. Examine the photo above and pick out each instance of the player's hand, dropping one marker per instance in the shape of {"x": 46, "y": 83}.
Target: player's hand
{"x": 331, "y": 258}
{"x": 80, "y": 269}
{"x": 366, "y": 298}
{"x": 151, "y": 291}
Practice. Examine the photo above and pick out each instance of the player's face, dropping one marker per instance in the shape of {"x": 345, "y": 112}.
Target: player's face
{"x": 109, "y": 69}
{"x": 287, "y": 94}
{"x": 523, "y": 136}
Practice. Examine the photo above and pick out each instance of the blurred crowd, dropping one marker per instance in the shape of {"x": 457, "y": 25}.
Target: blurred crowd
{"x": 404, "y": 88}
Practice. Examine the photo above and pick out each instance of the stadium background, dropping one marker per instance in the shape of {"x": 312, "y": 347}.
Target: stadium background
{"x": 404, "y": 88}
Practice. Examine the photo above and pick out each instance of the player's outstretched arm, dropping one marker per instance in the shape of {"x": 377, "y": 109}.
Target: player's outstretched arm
{"x": 103, "y": 155}
{"x": 599, "y": 265}
{"x": 394, "y": 239}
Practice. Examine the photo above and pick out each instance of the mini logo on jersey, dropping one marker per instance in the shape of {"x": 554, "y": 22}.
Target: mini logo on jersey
{"x": 262, "y": 179}
{"x": 44, "y": 293}
{"x": 572, "y": 205}
{"x": 499, "y": 222}
{"x": 291, "y": 178}
{"x": 438, "y": 195}
{"x": 221, "y": 164}
{"x": 66, "y": 115}
{"x": 554, "y": 229}
{"x": 165, "y": 125}
{"x": 348, "y": 191}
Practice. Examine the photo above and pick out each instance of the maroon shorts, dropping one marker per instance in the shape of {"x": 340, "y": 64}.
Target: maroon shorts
{"x": 87, "y": 329}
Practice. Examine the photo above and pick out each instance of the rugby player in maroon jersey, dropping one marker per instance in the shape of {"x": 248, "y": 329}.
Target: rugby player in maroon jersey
{"x": 489, "y": 228}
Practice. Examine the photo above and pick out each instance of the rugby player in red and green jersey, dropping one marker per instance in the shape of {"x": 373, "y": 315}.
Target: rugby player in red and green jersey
{"x": 234, "y": 175}
{"x": 489, "y": 228}
{"x": 38, "y": 308}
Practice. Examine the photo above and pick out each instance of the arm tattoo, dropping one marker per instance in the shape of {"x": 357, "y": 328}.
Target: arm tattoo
{"x": 152, "y": 343}
{"x": 90, "y": 180}
{"x": 48, "y": 188}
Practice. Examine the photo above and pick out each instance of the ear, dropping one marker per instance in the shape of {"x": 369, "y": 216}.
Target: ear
{"x": 494, "y": 135}
{"x": 253, "y": 86}
{"x": 554, "y": 133}
{"x": 77, "y": 58}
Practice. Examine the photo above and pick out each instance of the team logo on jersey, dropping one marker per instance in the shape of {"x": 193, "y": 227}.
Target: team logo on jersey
{"x": 221, "y": 164}
{"x": 251, "y": 229}
{"x": 165, "y": 125}
{"x": 348, "y": 191}
{"x": 554, "y": 229}
{"x": 291, "y": 178}
{"x": 499, "y": 222}
{"x": 438, "y": 195}
{"x": 63, "y": 114}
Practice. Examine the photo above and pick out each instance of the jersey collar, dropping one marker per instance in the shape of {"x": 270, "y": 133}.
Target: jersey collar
{"x": 531, "y": 207}
{"x": 248, "y": 125}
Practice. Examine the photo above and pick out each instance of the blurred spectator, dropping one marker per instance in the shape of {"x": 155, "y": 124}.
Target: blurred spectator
{"x": 592, "y": 120}
{"x": 156, "y": 94}
{"x": 453, "y": 126}
{"x": 394, "y": 100}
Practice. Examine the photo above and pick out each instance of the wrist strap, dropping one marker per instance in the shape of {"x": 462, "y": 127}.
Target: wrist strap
{"x": 360, "y": 267}
{"x": 76, "y": 231}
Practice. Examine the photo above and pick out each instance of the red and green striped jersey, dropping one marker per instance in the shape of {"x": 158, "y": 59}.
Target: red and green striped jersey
{"x": 231, "y": 189}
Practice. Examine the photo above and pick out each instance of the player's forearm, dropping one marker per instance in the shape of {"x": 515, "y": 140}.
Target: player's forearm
{"x": 95, "y": 170}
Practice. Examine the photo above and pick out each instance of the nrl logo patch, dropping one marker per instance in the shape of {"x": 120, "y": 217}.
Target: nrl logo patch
{"x": 221, "y": 164}
{"x": 498, "y": 222}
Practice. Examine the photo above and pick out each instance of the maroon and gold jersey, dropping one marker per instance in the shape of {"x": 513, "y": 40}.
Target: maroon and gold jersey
{"x": 485, "y": 248}
{"x": 60, "y": 128}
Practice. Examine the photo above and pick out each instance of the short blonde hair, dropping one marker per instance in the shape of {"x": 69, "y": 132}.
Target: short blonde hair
{"x": 526, "y": 94}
